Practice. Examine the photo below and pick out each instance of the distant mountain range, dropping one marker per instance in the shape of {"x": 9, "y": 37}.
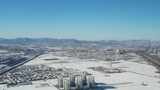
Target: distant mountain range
{"x": 79, "y": 43}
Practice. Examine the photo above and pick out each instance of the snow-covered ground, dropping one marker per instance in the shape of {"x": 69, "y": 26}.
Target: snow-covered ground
{"x": 138, "y": 76}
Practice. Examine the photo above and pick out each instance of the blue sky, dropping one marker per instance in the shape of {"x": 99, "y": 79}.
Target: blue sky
{"x": 81, "y": 19}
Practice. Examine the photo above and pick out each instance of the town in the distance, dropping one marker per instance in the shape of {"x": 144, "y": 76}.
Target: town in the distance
{"x": 69, "y": 64}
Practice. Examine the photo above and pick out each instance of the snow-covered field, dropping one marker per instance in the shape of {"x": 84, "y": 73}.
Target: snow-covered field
{"x": 137, "y": 76}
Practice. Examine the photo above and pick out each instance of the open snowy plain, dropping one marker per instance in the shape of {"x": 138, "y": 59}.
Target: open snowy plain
{"x": 135, "y": 75}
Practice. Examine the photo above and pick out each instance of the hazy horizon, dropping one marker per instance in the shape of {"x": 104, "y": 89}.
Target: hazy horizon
{"x": 81, "y": 19}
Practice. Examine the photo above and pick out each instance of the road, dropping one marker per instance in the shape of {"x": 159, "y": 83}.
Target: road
{"x": 155, "y": 60}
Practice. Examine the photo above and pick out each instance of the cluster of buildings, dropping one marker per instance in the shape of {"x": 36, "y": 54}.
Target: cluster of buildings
{"x": 76, "y": 82}
{"x": 154, "y": 51}
{"x": 88, "y": 53}
{"x": 27, "y": 74}
{"x": 68, "y": 78}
